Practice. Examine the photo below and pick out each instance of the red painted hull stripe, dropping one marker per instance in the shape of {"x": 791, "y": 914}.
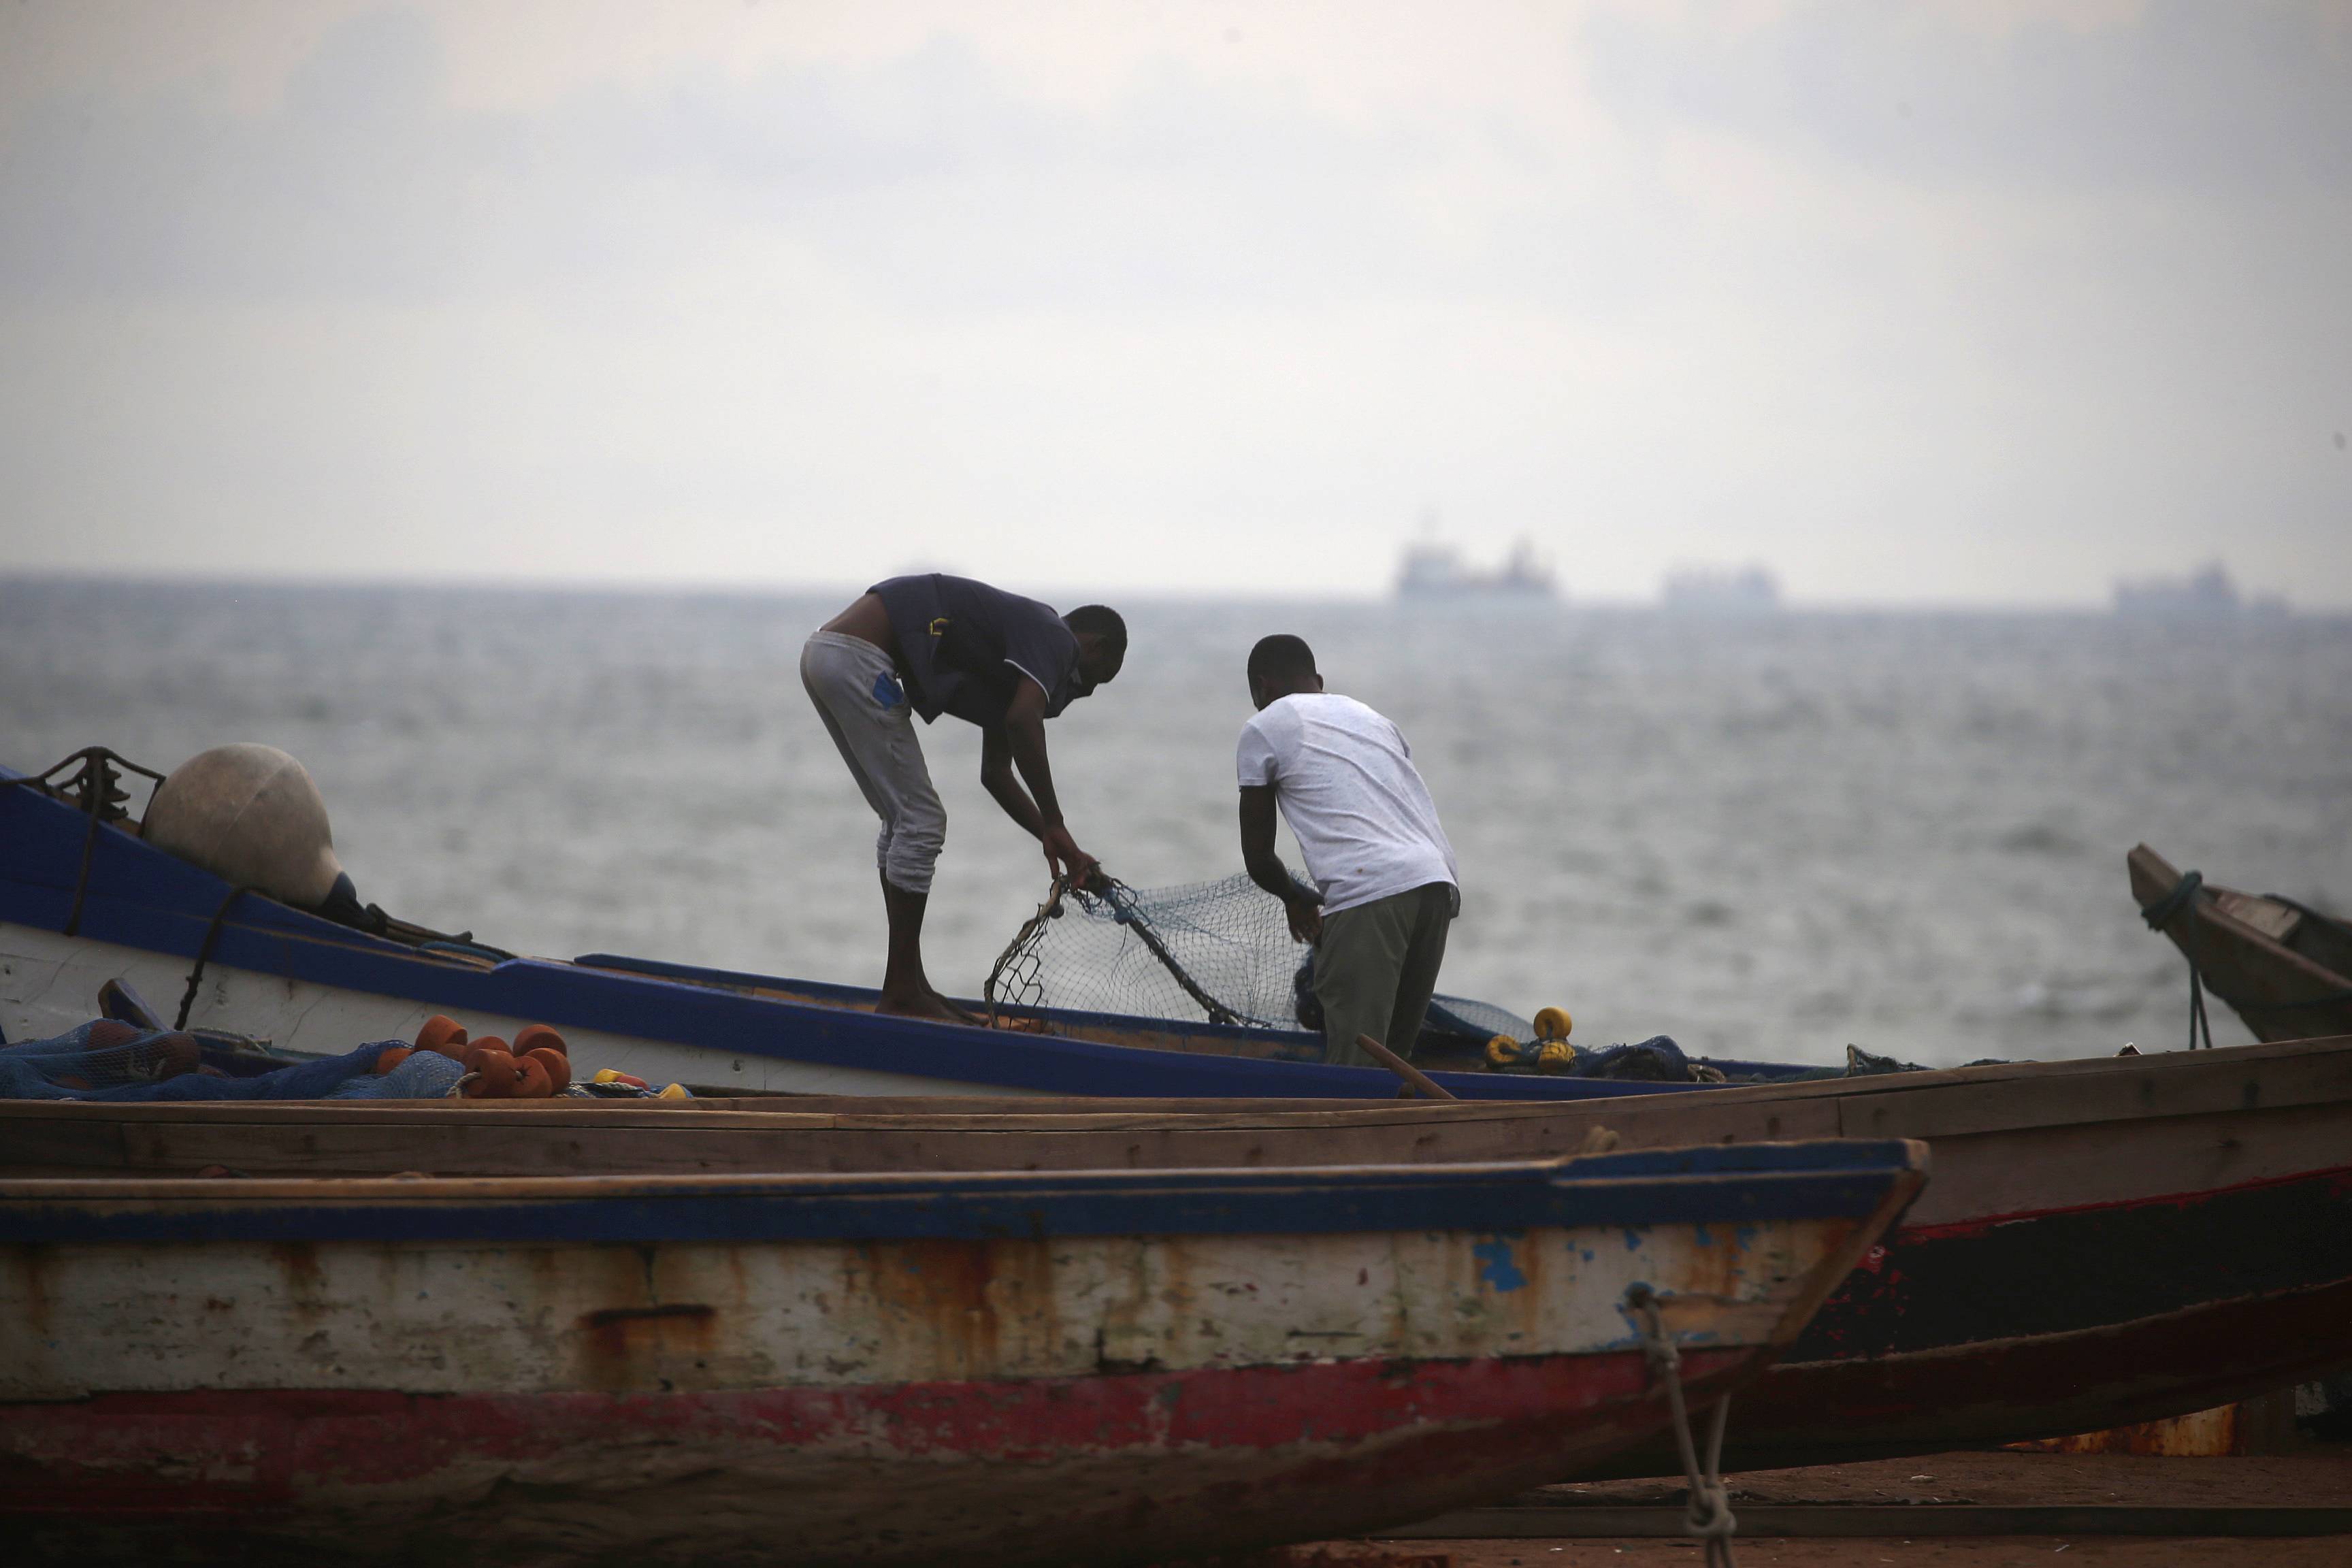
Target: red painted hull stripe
{"x": 228, "y": 1452}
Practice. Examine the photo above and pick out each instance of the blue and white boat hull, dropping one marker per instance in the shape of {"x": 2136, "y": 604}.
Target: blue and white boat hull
{"x": 78, "y": 908}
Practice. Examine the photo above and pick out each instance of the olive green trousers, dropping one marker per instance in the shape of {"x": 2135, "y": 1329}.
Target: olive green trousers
{"x": 1375, "y": 967}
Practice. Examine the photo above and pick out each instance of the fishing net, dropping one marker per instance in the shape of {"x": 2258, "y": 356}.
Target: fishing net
{"x": 107, "y": 1058}
{"x": 102, "y": 1054}
{"x": 1217, "y": 953}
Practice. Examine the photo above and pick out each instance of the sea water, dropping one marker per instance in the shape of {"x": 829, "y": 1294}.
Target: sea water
{"x": 1768, "y": 835}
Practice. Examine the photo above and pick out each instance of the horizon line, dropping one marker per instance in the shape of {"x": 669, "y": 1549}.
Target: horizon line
{"x": 780, "y": 588}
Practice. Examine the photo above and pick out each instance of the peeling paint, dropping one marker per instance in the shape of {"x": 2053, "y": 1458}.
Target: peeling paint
{"x": 1497, "y": 1268}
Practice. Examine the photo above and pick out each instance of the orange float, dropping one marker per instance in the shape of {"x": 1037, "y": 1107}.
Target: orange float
{"x": 539, "y": 1037}
{"x": 392, "y": 1057}
{"x": 494, "y": 1072}
{"x": 557, "y": 1066}
{"x": 180, "y": 1054}
{"x": 442, "y": 1034}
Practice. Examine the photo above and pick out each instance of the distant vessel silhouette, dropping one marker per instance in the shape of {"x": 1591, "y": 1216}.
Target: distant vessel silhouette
{"x": 1712, "y": 590}
{"x": 1434, "y": 571}
{"x": 2206, "y": 594}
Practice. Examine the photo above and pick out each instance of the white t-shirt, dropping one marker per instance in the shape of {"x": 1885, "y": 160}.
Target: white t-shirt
{"x": 1347, "y": 785}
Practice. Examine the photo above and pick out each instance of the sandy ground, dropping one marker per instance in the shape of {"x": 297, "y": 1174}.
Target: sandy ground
{"x": 2003, "y": 1552}
{"x": 2319, "y": 1476}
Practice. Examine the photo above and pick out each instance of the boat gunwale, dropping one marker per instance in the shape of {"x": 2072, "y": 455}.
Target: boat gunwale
{"x": 1111, "y": 1112}
{"x": 1709, "y": 1185}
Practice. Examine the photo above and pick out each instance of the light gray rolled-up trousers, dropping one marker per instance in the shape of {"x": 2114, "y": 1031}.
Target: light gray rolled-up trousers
{"x": 856, "y": 691}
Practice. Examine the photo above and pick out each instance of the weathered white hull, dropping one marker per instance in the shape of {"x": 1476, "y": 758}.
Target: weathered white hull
{"x": 576, "y": 1369}
{"x": 49, "y": 984}
{"x": 81, "y": 905}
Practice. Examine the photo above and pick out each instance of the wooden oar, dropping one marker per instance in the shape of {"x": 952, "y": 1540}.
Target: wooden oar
{"x": 1419, "y": 1081}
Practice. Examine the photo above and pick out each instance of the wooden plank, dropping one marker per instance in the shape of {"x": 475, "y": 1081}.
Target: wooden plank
{"x": 1980, "y": 1176}
{"x": 1889, "y": 1520}
{"x": 2129, "y": 1088}
{"x": 453, "y": 1145}
{"x": 2007, "y": 1171}
{"x": 1679, "y": 1103}
{"x": 1691, "y": 1107}
{"x": 2153, "y": 877}
{"x": 97, "y": 1143}
{"x": 1415, "y": 1079}
{"x": 2264, "y": 1424}
{"x": 554, "y": 1137}
{"x": 2240, "y": 962}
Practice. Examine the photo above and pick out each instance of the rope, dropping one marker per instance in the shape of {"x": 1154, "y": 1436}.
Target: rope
{"x": 205, "y": 952}
{"x": 96, "y": 779}
{"x": 2161, "y": 913}
{"x": 1708, "y": 1517}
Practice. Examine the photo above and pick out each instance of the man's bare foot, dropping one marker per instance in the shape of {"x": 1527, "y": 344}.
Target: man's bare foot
{"x": 922, "y": 1005}
{"x": 962, "y": 1015}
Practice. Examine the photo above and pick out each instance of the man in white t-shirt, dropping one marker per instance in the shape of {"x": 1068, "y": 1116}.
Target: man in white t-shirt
{"x": 1345, "y": 781}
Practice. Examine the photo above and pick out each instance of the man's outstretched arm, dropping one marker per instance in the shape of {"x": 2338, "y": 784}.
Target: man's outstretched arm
{"x": 1265, "y": 868}
{"x": 1020, "y": 743}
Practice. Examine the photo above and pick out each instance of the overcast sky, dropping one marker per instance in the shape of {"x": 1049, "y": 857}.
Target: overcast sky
{"x": 1978, "y": 302}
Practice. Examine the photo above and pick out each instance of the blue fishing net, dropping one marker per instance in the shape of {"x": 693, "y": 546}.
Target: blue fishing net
{"x": 1460, "y": 1016}
{"x": 425, "y": 1075}
{"x": 106, "y": 1060}
{"x": 93, "y": 1059}
{"x": 1655, "y": 1060}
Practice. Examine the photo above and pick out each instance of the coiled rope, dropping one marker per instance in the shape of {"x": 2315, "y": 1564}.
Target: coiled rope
{"x": 1708, "y": 1517}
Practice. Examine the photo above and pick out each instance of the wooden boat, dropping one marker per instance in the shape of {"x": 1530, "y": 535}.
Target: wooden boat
{"x": 2286, "y": 969}
{"x": 2105, "y": 1241}
{"x": 81, "y": 905}
{"x": 994, "y": 1368}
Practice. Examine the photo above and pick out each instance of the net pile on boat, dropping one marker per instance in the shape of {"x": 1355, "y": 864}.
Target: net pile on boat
{"x": 102, "y": 1054}
{"x": 1215, "y": 952}
{"x": 108, "y": 1058}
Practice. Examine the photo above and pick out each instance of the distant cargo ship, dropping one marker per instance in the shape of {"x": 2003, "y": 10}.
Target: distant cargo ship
{"x": 2205, "y": 594}
{"x": 1438, "y": 571}
{"x": 1746, "y": 590}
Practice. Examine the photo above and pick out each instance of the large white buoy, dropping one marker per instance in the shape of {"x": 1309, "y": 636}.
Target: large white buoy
{"x": 250, "y": 815}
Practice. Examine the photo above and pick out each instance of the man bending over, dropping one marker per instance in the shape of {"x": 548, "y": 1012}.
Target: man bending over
{"x": 1345, "y": 781}
{"x": 933, "y": 645}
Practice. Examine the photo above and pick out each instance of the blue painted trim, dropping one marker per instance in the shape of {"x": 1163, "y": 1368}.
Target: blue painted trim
{"x": 1299, "y": 1045}
{"x": 1793, "y": 1181}
{"x": 140, "y": 897}
{"x": 1307, "y": 1046}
